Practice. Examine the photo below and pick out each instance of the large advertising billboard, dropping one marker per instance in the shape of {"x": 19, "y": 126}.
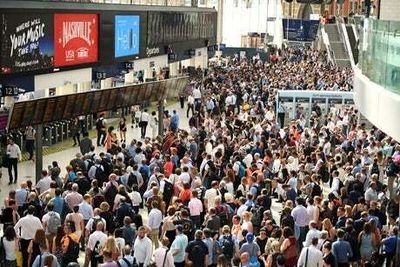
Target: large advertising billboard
{"x": 75, "y": 39}
{"x": 27, "y": 42}
{"x": 127, "y": 35}
{"x": 300, "y": 30}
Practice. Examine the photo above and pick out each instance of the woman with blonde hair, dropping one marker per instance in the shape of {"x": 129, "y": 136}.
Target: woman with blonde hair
{"x": 246, "y": 222}
{"x": 108, "y": 216}
{"x": 276, "y": 251}
{"x": 348, "y": 211}
{"x": 327, "y": 226}
{"x": 112, "y": 247}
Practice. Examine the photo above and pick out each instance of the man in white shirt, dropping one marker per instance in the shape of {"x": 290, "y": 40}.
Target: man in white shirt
{"x": 127, "y": 260}
{"x": 311, "y": 256}
{"x": 196, "y": 208}
{"x": 44, "y": 183}
{"x": 142, "y": 248}
{"x": 155, "y": 220}
{"x": 144, "y": 121}
{"x": 163, "y": 256}
{"x": 371, "y": 194}
{"x": 300, "y": 217}
{"x": 51, "y": 221}
{"x": 26, "y": 229}
{"x": 196, "y": 94}
{"x": 74, "y": 198}
{"x": 312, "y": 233}
{"x": 335, "y": 183}
{"x": 210, "y": 195}
{"x": 96, "y": 242}
{"x": 14, "y": 155}
{"x": 190, "y": 105}
{"x": 96, "y": 219}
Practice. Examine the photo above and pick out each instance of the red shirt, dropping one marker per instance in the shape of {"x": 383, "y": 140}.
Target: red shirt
{"x": 168, "y": 167}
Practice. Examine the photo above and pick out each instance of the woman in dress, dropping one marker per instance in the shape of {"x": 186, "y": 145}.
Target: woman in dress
{"x": 10, "y": 215}
{"x": 289, "y": 247}
{"x": 367, "y": 240}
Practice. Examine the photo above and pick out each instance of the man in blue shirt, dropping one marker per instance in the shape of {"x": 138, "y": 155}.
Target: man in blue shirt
{"x": 342, "y": 250}
{"x": 58, "y": 202}
{"x": 389, "y": 246}
{"x": 174, "y": 121}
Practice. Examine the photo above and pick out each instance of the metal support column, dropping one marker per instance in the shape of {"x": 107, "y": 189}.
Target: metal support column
{"x": 38, "y": 151}
{"x": 161, "y": 118}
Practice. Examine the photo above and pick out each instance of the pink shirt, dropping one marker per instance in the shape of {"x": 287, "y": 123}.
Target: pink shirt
{"x": 195, "y": 207}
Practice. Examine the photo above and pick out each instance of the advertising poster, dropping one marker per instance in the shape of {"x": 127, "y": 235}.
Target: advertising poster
{"x": 300, "y": 30}
{"x": 127, "y": 35}
{"x": 75, "y": 39}
{"x": 27, "y": 42}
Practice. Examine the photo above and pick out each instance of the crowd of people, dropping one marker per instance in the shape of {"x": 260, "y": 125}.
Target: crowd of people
{"x": 233, "y": 188}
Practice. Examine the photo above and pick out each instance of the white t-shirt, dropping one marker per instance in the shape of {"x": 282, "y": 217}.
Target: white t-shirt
{"x": 9, "y": 247}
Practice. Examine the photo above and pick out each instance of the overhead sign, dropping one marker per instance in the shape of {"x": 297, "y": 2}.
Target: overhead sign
{"x": 300, "y": 30}
{"x": 75, "y": 39}
{"x": 127, "y": 34}
{"x": 27, "y": 42}
{"x": 64, "y": 107}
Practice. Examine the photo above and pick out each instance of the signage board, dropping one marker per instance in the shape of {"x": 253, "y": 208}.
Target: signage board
{"x": 300, "y": 30}
{"x": 75, "y": 39}
{"x": 27, "y": 42}
{"x": 127, "y": 35}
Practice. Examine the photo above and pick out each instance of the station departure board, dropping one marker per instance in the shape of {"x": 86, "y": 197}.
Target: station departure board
{"x": 65, "y": 107}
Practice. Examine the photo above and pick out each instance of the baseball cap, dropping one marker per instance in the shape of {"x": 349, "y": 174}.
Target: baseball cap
{"x": 249, "y": 237}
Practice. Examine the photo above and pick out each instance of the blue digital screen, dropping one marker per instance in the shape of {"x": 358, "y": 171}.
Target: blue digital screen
{"x": 127, "y": 34}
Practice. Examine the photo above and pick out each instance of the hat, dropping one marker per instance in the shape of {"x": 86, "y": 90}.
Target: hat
{"x": 250, "y": 237}
{"x": 78, "y": 155}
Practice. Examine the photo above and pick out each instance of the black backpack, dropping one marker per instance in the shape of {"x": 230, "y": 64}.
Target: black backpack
{"x": 196, "y": 254}
{"x": 316, "y": 190}
{"x": 227, "y": 247}
{"x": 94, "y": 224}
{"x": 99, "y": 124}
{"x": 128, "y": 263}
{"x": 110, "y": 194}
{"x": 72, "y": 253}
{"x": 100, "y": 175}
{"x": 222, "y": 213}
{"x": 257, "y": 215}
{"x": 168, "y": 190}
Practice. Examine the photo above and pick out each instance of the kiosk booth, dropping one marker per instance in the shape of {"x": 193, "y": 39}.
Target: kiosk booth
{"x": 297, "y": 102}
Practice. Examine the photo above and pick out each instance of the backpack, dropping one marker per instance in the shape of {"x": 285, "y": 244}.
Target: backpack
{"x": 134, "y": 264}
{"x": 257, "y": 216}
{"x": 316, "y": 190}
{"x": 242, "y": 170}
{"x": 375, "y": 169}
{"x": 72, "y": 252}
{"x": 227, "y": 247}
{"x": 97, "y": 250}
{"x": 324, "y": 174}
{"x": 99, "y": 124}
{"x": 196, "y": 254}
{"x": 212, "y": 167}
{"x": 187, "y": 227}
{"x": 168, "y": 190}
{"x": 53, "y": 223}
{"x": 100, "y": 175}
{"x": 110, "y": 194}
{"x": 94, "y": 224}
{"x": 258, "y": 188}
{"x": 222, "y": 213}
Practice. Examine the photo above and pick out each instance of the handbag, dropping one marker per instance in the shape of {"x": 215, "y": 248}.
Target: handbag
{"x": 18, "y": 258}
